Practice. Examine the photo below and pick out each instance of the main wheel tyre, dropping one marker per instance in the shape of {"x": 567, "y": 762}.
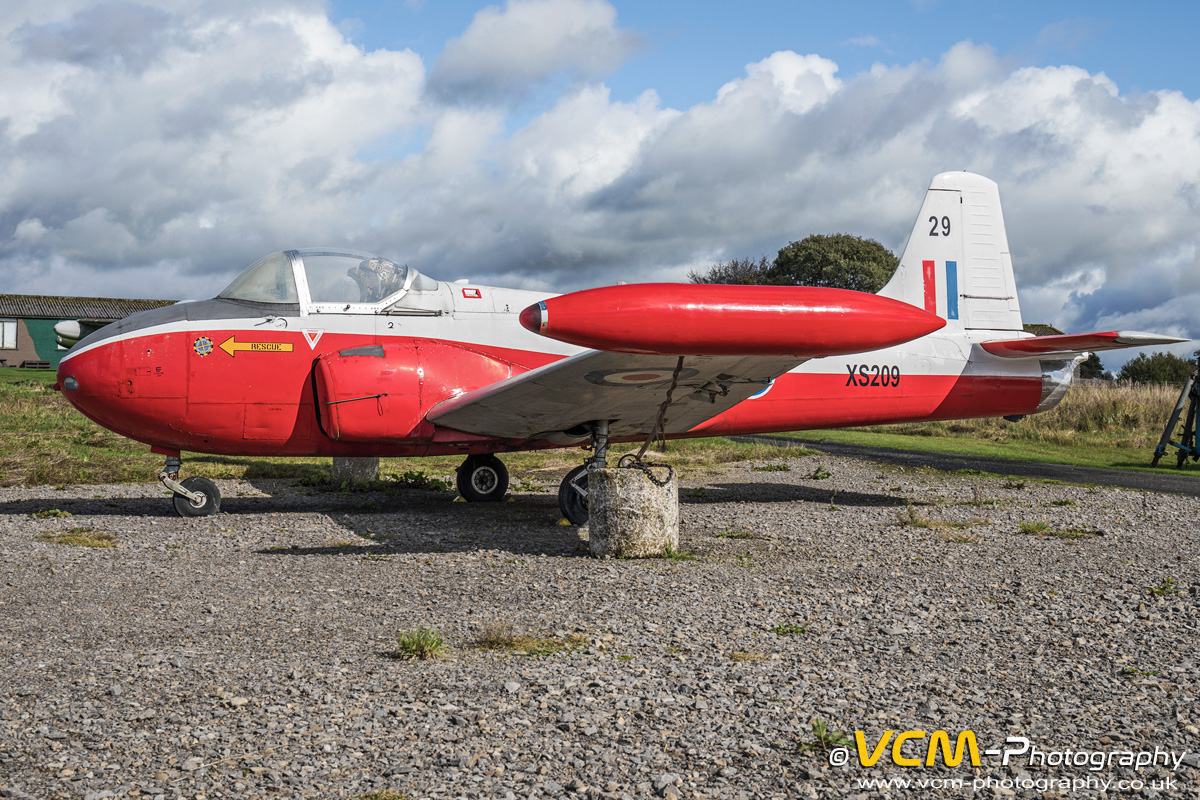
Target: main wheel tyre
{"x": 573, "y": 497}
{"x": 210, "y": 498}
{"x": 482, "y": 479}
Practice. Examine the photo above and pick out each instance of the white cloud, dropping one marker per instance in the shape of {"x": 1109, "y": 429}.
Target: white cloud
{"x": 530, "y": 40}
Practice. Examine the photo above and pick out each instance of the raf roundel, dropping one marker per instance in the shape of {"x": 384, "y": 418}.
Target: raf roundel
{"x": 203, "y": 346}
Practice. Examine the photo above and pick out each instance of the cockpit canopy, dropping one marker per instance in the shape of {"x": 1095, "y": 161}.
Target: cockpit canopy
{"x": 316, "y": 277}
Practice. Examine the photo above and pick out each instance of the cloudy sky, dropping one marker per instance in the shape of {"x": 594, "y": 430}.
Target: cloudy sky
{"x": 155, "y": 148}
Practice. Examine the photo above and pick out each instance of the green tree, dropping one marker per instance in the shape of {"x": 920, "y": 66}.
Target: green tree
{"x": 1093, "y": 369}
{"x": 1159, "y": 367}
{"x": 837, "y": 260}
{"x": 743, "y": 271}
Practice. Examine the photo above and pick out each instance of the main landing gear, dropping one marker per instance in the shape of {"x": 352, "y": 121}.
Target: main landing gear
{"x": 194, "y": 497}
{"x": 573, "y": 491}
{"x": 482, "y": 479}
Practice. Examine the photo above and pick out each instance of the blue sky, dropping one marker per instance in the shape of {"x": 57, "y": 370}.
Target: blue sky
{"x": 155, "y": 148}
{"x": 690, "y": 48}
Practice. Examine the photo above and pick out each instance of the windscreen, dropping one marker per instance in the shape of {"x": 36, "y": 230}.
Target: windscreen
{"x": 269, "y": 280}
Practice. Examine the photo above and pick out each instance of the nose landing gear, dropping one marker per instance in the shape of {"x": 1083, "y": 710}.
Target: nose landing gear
{"x": 194, "y": 497}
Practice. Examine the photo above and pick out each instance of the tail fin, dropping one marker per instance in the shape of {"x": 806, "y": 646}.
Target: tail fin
{"x": 956, "y": 263}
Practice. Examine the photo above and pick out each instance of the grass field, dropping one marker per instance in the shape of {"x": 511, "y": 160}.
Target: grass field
{"x": 1094, "y": 426}
{"x": 45, "y": 441}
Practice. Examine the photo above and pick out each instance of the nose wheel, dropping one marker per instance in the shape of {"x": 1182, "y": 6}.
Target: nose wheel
{"x": 482, "y": 479}
{"x": 194, "y": 497}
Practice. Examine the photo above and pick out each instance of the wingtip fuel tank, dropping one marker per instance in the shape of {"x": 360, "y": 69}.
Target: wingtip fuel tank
{"x": 718, "y": 320}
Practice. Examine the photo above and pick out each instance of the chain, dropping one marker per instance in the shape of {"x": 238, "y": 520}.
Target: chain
{"x": 630, "y": 461}
{"x": 661, "y": 420}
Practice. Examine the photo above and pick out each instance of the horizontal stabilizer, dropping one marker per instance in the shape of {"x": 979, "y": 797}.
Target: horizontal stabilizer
{"x": 1072, "y": 343}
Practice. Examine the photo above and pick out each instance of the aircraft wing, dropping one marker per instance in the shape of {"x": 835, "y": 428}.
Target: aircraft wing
{"x": 740, "y": 338}
{"x": 1073, "y": 343}
{"x": 626, "y": 388}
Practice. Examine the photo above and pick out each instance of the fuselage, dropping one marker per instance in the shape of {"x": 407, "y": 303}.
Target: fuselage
{"x": 234, "y": 376}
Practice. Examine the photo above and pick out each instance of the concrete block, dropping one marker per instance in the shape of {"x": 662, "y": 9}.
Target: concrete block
{"x": 355, "y": 470}
{"x": 629, "y": 516}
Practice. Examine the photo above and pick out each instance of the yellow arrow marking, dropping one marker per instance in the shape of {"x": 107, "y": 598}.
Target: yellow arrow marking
{"x": 232, "y": 346}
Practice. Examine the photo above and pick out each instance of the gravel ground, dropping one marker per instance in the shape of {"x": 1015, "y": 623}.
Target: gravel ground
{"x": 246, "y": 655}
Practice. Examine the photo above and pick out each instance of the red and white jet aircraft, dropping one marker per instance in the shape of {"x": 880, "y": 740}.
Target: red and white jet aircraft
{"x": 335, "y": 353}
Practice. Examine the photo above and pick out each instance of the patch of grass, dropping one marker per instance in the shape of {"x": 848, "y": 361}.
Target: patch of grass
{"x": 789, "y": 629}
{"x": 80, "y": 537}
{"x": 962, "y": 538}
{"x": 1039, "y": 528}
{"x": 50, "y": 513}
{"x": 746, "y": 655}
{"x": 503, "y": 637}
{"x": 772, "y": 468}
{"x": 678, "y": 555}
{"x": 825, "y": 738}
{"x": 419, "y": 644}
{"x": 382, "y": 794}
{"x": 745, "y": 560}
{"x": 819, "y": 474}
{"x": 1061, "y": 503}
{"x": 1164, "y": 589}
{"x": 737, "y": 533}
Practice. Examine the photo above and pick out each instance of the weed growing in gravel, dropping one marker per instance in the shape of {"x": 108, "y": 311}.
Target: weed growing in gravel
{"x": 1165, "y": 588}
{"x": 772, "y": 468}
{"x": 1067, "y": 502}
{"x": 502, "y": 637}
{"x": 824, "y": 738}
{"x": 382, "y": 794}
{"x": 1014, "y": 484}
{"x": 81, "y": 537}
{"x": 746, "y": 655}
{"x": 415, "y": 479}
{"x": 909, "y": 517}
{"x": 419, "y": 644}
{"x": 789, "y": 629}
{"x": 962, "y": 538}
{"x": 1140, "y": 673}
{"x": 1042, "y": 528}
{"x": 737, "y": 533}
{"x": 819, "y": 474}
{"x": 50, "y": 513}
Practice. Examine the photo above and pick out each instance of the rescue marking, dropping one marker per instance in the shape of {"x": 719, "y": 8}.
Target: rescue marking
{"x": 233, "y": 346}
{"x": 472, "y": 294}
{"x": 313, "y": 335}
{"x": 202, "y": 346}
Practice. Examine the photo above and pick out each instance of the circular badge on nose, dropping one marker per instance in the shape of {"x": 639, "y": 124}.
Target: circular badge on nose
{"x": 203, "y": 346}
